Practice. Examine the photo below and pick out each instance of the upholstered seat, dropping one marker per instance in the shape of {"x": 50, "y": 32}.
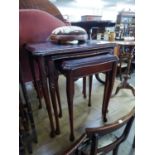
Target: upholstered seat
{"x": 85, "y": 62}
{"x": 44, "y": 5}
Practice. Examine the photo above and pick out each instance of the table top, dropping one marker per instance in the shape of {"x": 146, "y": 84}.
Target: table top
{"x": 89, "y": 24}
{"x": 49, "y": 48}
{"x": 128, "y": 43}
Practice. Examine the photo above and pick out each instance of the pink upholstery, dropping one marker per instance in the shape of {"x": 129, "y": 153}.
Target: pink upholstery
{"x": 34, "y": 26}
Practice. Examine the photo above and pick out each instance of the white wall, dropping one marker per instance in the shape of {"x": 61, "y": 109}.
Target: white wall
{"x": 75, "y": 9}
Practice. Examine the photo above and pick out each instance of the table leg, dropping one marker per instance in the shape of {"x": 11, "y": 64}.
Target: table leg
{"x": 42, "y": 69}
{"x": 39, "y": 92}
{"x": 58, "y": 97}
{"x": 35, "y": 82}
{"x": 90, "y": 89}
{"x": 84, "y": 87}
{"x": 70, "y": 94}
{"x": 124, "y": 83}
{"x": 109, "y": 83}
{"x": 52, "y": 75}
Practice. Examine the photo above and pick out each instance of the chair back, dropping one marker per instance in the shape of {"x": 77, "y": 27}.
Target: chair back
{"x": 34, "y": 26}
{"x": 44, "y": 5}
{"x": 88, "y": 143}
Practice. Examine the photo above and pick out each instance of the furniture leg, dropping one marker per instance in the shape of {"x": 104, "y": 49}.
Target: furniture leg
{"x": 131, "y": 88}
{"x": 120, "y": 69}
{"x": 58, "y": 97}
{"x": 43, "y": 75}
{"x": 38, "y": 88}
{"x": 29, "y": 147}
{"x": 110, "y": 78}
{"x": 125, "y": 85}
{"x": 52, "y": 82}
{"x": 21, "y": 145}
{"x": 84, "y": 87}
{"x": 23, "y": 117}
{"x": 30, "y": 115}
{"x": 115, "y": 151}
{"x": 133, "y": 144}
{"x": 70, "y": 94}
{"x": 28, "y": 106}
{"x": 104, "y": 110}
{"x": 94, "y": 144}
{"x": 90, "y": 89}
{"x": 24, "y": 130}
{"x": 35, "y": 82}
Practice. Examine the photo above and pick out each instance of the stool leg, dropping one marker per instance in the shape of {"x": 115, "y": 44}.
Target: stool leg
{"x": 90, "y": 89}
{"x": 70, "y": 94}
{"x": 110, "y": 78}
{"x": 104, "y": 110}
{"x": 84, "y": 87}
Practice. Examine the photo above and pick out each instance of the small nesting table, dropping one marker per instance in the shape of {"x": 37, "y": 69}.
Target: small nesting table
{"x": 46, "y": 53}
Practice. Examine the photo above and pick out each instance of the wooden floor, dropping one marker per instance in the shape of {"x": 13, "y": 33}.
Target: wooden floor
{"x": 84, "y": 116}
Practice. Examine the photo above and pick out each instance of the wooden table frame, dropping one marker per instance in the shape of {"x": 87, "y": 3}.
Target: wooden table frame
{"x": 43, "y": 52}
{"x": 129, "y": 56}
